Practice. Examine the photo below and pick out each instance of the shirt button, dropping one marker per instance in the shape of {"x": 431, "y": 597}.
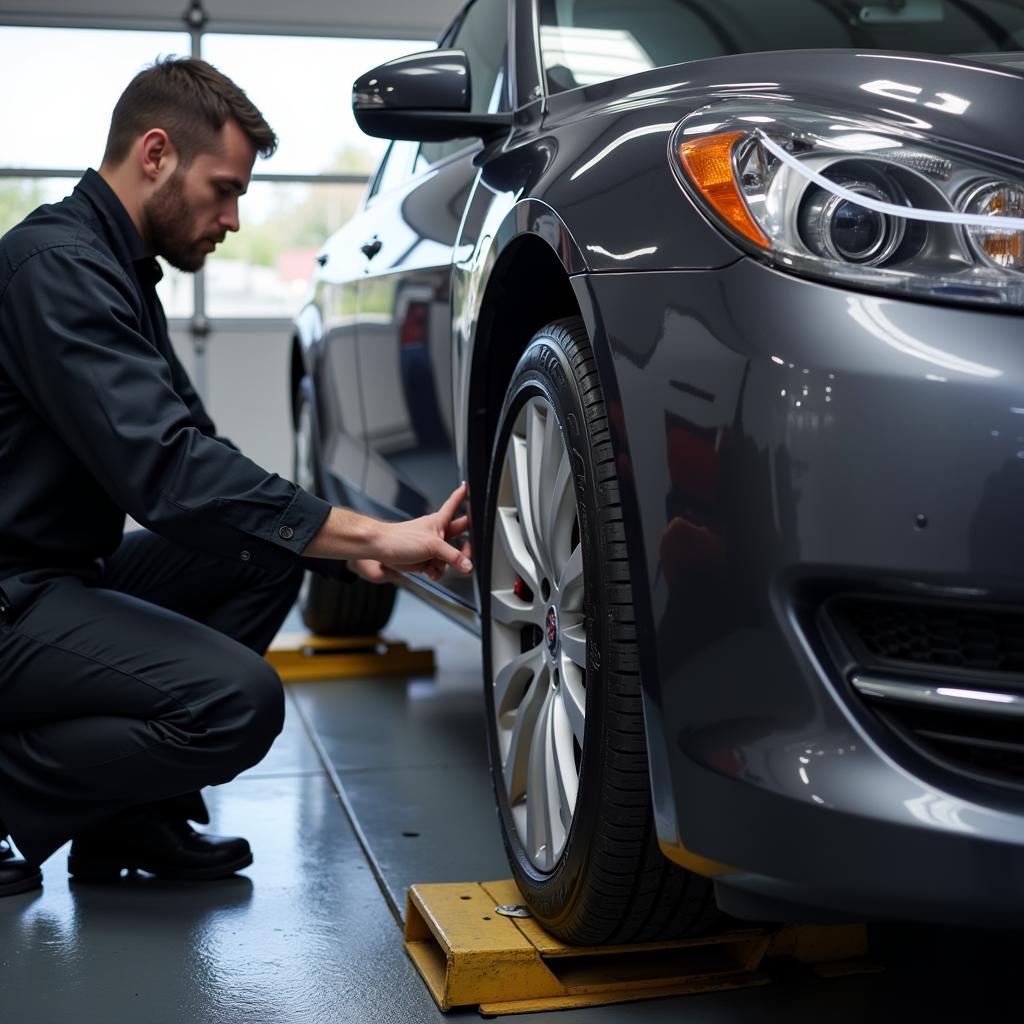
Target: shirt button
{"x": 246, "y": 556}
{"x": 286, "y": 533}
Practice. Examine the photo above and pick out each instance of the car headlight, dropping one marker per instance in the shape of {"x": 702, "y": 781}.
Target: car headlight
{"x": 849, "y": 200}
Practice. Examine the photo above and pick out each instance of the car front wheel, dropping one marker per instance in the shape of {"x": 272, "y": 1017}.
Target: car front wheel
{"x": 565, "y": 721}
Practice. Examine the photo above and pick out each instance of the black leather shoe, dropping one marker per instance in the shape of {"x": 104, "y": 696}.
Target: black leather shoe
{"x": 5, "y": 850}
{"x": 18, "y": 876}
{"x": 164, "y": 846}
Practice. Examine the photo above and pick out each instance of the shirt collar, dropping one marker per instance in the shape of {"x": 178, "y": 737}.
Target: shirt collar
{"x": 124, "y": 236}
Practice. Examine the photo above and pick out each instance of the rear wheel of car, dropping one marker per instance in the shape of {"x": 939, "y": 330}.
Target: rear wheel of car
{"x": 565, "y": 722}
{"x": 333, "y": 607}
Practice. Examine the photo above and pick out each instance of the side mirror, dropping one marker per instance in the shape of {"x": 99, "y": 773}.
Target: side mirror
{"x": 424, "y": 97}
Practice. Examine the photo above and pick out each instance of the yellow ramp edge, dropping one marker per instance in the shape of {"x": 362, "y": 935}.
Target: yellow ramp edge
{"x": 304, "y": 656}
{"x": 469, "y": 955}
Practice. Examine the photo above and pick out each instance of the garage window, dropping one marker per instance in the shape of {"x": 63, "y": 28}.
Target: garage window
{"x": 60, "y": 85}
{"x": 306, "y": 191}
{"x": 72, "y": 94}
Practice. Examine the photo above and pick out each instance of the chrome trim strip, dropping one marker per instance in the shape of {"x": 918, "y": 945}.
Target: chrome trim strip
{"x": 952, "y": 698}
{"x": 446, "y": 604}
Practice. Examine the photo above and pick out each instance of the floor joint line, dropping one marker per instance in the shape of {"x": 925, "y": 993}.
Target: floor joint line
{"x": 349, "y": 810}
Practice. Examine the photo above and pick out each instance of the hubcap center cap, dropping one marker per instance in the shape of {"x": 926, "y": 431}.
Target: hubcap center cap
{"x": 551, "y": 631}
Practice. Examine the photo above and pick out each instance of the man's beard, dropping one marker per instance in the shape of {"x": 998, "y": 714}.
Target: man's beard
{"x": 168, "y": 223}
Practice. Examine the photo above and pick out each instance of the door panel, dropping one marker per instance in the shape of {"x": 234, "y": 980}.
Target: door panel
{"x": 404, "y": 341}
{"x": 340, "y": 403}
{"x": 405, "y": 356}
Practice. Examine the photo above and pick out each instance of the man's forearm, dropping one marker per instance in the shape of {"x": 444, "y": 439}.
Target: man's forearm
{"x": 344, "y": 534}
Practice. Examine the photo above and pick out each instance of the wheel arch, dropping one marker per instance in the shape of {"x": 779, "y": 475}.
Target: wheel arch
{"x": 527, "y": 265}
{"x": 533, "y": 255}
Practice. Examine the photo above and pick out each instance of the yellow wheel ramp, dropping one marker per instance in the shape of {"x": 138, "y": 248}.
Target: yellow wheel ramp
{"x": 302, "y": 656}
{"x": 470, "y": 955}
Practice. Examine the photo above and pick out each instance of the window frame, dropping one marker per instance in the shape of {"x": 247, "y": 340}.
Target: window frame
{"x": 376, "y": 190}
{"x": 199, "y": 324}
{"x": 504, "y": 78}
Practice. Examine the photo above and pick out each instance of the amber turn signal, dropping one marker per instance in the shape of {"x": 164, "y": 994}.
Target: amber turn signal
{"x": 708, "y": 164}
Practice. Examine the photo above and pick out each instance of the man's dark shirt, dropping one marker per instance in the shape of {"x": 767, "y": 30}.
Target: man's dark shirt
{"x": 98, "y": 417}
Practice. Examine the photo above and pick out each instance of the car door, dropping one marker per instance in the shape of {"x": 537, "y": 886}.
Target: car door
{"x": 339, "y": 403}
{"x": 403, "y": 336}
{"x": 404, "y": 330}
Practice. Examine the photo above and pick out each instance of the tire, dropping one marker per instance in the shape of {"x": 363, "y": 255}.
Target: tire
{"x": 345, "y": 608}
{"x": 333, "y": 607}
{"x": 561, "y": 675}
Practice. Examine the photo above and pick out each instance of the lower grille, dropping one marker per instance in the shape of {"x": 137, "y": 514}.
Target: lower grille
{"x": 947, "y": 678}
{"x": 935, "y": 635}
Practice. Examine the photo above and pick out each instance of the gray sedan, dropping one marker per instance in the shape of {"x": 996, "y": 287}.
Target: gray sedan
{"x": 717, "y": 307}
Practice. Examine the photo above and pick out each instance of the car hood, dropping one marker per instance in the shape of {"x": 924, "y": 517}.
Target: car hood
{"x": 1003, "y": 60}
{"x": 967, "y": 100}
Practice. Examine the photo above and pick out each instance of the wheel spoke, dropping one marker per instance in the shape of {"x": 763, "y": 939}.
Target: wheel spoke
{"x": 519, "y": 472}
{"x": 512, "y": 681}
{"x": 549, "y": 470}
{"x": 560, "y": 513}
{"x": 570, "y": 583}
{"x": 521, "y": 742}
{"x": 573, "y": 698}
{"x": 510, "y": 534}
{"x": 574, "y": 639}
{"x": 538, "y": 431}
{"x": 541, "y": 796}
{"x": 509, "y": 610}
{"x": 564, "y": 758}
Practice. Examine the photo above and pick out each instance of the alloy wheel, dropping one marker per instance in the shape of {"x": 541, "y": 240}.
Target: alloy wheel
{"x": 538, "y": 633}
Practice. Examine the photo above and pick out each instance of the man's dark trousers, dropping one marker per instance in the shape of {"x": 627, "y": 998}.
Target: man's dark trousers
{"x": 141, "y": 681}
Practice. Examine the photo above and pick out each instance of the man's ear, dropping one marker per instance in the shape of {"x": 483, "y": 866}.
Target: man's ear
{"x": 156, "y": 155}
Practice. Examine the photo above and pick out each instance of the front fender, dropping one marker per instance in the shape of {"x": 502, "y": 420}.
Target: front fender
{"x": 494, "y": 224}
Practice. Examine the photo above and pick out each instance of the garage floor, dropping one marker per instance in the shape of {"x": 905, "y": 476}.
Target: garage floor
{"x": 374, "y": 785}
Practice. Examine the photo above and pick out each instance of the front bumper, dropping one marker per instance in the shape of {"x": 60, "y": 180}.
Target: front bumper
{"x": 779, "y": 441}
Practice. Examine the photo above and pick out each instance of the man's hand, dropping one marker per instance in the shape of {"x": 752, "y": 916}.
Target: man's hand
{"x": 420, "y": 545}
{"x": 378, "y": 551}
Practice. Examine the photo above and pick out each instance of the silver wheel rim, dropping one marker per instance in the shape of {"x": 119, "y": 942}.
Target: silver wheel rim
{"x": 538, "y": 635}
{"x": 304, "y": 477}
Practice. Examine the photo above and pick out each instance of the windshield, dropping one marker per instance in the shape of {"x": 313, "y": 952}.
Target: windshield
{"x": 588, "y": 41}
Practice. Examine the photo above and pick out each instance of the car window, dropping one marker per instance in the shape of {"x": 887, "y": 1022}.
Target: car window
{"x": 396, "y": 167}
{"x": 588, "y": 41}
{"x": 483, "y": 36}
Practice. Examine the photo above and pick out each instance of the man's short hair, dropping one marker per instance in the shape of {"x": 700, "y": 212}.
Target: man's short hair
{"x": 191, "y": 101}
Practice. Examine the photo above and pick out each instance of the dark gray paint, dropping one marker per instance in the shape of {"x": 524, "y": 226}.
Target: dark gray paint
{"x": 684, "y": 330}
{"x": 734, "y": 694}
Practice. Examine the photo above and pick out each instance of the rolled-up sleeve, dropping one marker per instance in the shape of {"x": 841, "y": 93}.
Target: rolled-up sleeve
{"x": 74, "y": 349}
